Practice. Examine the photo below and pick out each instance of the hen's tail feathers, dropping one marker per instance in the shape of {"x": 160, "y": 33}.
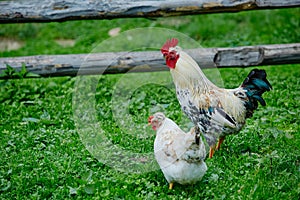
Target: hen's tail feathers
{"x": 197, "y": 135}
{"x": 255, "y": 85}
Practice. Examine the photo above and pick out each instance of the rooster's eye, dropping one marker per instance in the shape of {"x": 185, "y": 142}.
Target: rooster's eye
{"x": 173, "y": 54}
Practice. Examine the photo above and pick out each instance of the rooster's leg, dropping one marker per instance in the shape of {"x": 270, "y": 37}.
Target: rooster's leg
{"x": 211, "y": 151}
{"x": 171, "y": 186}
{"x": 221, "y": 140}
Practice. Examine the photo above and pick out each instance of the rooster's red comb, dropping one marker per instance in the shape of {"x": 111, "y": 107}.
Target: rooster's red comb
{"x": 169, "y": 43}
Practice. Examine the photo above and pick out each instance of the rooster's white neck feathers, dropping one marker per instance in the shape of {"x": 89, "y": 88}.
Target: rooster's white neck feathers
{"x": 187, "y": 71}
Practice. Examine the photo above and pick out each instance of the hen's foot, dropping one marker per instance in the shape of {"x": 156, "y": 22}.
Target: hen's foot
{"x": 171, "y": 186}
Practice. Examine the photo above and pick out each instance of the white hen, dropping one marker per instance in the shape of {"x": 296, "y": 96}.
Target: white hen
{"x": 180, "y": 158}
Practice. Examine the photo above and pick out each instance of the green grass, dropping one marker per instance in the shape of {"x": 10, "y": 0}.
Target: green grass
{"x": 43, "y": 152}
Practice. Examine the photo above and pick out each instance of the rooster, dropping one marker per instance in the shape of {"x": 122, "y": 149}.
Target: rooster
{"x": 179, "y": 157}
{"x": 216, "y": 112}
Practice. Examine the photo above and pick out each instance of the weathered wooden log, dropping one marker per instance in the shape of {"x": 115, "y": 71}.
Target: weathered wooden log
{"x": 147, "y": 61}
{"x": 62, "y": 10}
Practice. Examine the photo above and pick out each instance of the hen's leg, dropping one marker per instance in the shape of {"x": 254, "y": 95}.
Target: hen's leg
{"x": 221, "y": 140}
{"x": 171, "y": 186}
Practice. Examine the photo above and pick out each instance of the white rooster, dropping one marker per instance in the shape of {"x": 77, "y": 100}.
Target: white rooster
{"x": 179, "y": 157}
{"x": 216, "y": 112}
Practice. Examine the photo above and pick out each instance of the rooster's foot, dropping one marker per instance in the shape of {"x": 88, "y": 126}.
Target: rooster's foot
{"x": 221, "y": 140}
{"x": 211, "y": 151}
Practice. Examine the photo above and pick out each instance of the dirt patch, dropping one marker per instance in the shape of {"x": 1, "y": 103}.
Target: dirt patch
{"x": 114, "y": 32}
{"x": 7, "y": 44}
{"x": 65, "y": 42}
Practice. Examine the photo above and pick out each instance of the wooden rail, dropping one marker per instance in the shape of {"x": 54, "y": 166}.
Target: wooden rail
{"x": 147, "y": 61}
{"x": 15, "y": 11}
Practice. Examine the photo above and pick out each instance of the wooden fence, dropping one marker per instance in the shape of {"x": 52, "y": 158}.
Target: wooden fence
{"x": 63, "y": 10}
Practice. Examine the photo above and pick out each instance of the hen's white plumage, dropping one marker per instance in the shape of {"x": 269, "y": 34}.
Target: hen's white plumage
{"x": 179, "y": 157}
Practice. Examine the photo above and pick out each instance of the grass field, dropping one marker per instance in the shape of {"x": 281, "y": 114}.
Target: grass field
{"x": 49, "y": 150}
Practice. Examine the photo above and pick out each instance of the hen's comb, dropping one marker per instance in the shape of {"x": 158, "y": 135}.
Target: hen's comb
{"x": 150, "y": 119}
{"x": 169, "y": 43}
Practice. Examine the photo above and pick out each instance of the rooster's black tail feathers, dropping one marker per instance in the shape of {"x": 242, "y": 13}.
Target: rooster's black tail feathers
{"x": 255, "y": 85}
